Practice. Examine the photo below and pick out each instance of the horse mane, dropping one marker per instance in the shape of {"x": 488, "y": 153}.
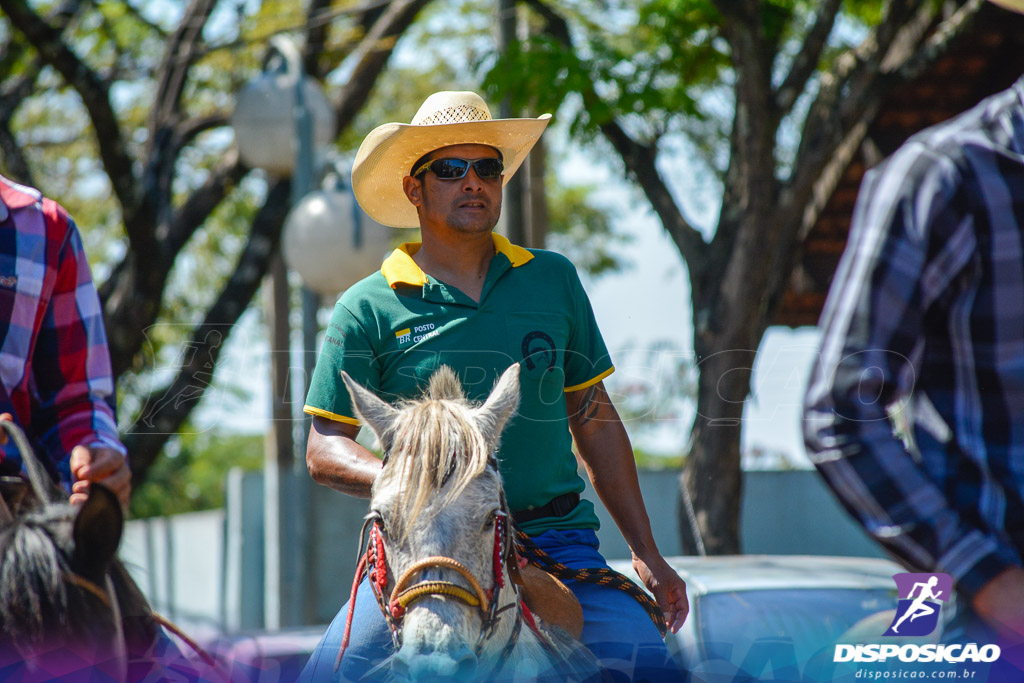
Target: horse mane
{"x": 33, "y": 560}
{"x": 436, "y": 449}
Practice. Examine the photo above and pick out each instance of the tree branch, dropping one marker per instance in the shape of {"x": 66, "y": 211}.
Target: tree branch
{"x": 555, "y": 25}
{"x": 166, "y": 410}
{"x": 161, "y": 154}
{"x": 95, "y": 94}
{"x": 640, "y": 161}
{"x": 833, "y": 135}
{"x": 12, "y": 160}
{"x": 806, "y": 61}
{"x": 13, "y": 163}
{"x": 130, "y": 9}
{"x": 856, "y": 68}
{"x": 371, "y": 57}
{"x": 183, "y": 48}
{"x": 316, "y": 36}
{"x": 938, "y": 43}
{"x": 187, "y": 131}
{"x": 756, "y": 118}
{"x": 201, "y": 203}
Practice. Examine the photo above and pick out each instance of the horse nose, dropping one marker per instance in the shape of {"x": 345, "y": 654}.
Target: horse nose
{"x": 457, "y": 665}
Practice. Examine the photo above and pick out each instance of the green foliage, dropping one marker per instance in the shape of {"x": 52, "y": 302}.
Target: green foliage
{"x": 191, "y": 476}
{"x": 582, "y": 229}
{"x": 646, "y": 460}
{"x": 650, "y": 62}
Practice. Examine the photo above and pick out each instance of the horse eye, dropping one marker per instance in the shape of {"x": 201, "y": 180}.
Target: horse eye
{"x": 491, "y": 519}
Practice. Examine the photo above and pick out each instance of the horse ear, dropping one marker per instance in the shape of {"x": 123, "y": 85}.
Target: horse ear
{"x": 378, "y": 414}
{"x": 98, "y": 527}
{"x": 500, "y": 405}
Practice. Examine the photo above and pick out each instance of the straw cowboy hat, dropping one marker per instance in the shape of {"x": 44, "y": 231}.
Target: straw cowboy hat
{"x": 1014, "y": 5}
{"x": 445, "y": 118}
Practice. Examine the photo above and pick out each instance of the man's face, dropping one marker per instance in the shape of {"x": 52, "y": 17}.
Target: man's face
{"x": 468, "y": 205}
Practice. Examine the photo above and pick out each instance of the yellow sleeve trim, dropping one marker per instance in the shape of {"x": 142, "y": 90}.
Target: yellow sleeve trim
{"x": 590, "y": 382}
{"x": 330, "y": 416}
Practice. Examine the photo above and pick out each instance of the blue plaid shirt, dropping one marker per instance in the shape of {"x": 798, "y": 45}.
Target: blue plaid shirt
{"x": 55, "y": 374}
{"x": 925, "y": 322}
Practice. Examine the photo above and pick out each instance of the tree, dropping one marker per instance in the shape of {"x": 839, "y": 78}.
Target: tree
{"x": 775, "y": 96}
{"x": 118, "y": 109}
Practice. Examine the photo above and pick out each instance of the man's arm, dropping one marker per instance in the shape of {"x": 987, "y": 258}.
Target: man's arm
{"x": 73, "y": 376}
{"x": 336, "y": 460}
{"x": 605, "y": 450}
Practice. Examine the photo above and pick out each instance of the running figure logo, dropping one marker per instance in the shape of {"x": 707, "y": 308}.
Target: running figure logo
{"x": 918, "y": 611}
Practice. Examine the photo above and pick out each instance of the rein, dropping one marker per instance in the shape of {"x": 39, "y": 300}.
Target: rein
{"x": 603, "y": 576}
{"x": 107, "y": 597}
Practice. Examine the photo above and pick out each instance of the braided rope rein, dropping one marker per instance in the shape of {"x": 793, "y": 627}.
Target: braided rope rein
{"x": 603, "y": 576}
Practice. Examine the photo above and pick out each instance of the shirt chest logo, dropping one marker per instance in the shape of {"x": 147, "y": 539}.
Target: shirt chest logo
{"x": 539, "y": 350}
{"x": 416, "y": 333}
{"x": 9, "y": 281}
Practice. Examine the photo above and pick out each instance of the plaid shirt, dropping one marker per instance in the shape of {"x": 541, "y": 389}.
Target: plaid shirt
{"x": 927, "y": 308}
{"x": 55, "y": 374}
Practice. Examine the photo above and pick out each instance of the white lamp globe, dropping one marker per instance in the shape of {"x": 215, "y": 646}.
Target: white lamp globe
{"x": 264, "y": 115}
{"x": 331, "y": 242}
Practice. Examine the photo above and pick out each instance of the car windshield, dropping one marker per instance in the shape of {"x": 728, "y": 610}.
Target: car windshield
{"x": 774, "y": 628}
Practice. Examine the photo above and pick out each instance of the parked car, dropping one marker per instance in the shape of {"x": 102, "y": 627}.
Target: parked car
{"x": 776, "y": 618}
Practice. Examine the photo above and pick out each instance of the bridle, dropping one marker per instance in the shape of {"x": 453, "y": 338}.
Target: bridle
{"x": 394, "y": 604}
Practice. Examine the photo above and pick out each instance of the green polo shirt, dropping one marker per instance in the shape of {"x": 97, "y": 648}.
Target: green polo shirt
{"x": 393, "y": 329}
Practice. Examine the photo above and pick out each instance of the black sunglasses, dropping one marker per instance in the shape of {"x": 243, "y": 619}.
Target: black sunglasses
{"x": 451, "y": 168}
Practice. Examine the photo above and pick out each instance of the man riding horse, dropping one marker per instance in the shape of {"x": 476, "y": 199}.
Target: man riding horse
{"x": 468, "y": 298}
{"x": 55, "y": 374}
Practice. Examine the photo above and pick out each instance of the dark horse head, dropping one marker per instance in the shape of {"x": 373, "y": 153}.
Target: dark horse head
{"x": 67, "y": 606}
{"x": 69, "y": 610}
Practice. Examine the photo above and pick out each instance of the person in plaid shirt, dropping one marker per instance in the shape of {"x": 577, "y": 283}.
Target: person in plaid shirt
{"x": 915, "y": 411}
{"x": 55, "y": 373}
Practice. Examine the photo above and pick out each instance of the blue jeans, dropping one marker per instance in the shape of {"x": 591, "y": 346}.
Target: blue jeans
{"x": 615, "y": 627}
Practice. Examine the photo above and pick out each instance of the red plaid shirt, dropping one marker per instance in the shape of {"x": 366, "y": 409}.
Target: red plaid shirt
{"x": 55, "y": 375}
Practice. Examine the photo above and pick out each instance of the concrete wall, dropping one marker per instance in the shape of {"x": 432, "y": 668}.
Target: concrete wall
{"x": 178, "y": 563}
{"x": 207, "y": 568}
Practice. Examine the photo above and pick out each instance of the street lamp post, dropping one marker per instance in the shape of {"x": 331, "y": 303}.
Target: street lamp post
{"x": 281, "y": 120}
{"x": 276, "y": 119}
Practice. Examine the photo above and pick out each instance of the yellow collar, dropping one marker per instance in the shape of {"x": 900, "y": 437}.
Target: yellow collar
{"x": 399, "y": 268}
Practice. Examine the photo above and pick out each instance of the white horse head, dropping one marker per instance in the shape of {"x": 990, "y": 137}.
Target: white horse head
{"x": 440, "y": 510}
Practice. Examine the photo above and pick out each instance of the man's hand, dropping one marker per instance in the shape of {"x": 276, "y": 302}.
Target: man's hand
{"x": 4, "y": 417}
{"x": 89, "y": 464}
{"x": 667, "y": 587}
{"x": 99, "y": 464}
{"x": 1000, "y": 603}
